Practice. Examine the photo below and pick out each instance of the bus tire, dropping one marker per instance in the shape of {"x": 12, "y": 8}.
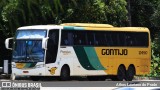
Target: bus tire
{"x": 130, "y": 73}
{"x": 121, "y": 73}
{"x": 35, "y": 78}
{"x": 65, "y": 73}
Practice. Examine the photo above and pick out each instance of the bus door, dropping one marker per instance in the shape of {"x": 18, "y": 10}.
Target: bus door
{"x": 51, "y": 52}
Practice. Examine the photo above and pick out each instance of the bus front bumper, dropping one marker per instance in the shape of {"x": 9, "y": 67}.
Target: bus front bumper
{"x": 29, "y": 72}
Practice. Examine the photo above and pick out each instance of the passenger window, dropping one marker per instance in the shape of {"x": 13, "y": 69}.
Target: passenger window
{"x": 130, "y": 39}
{"x": 67, "y": 38}
{"x": 52, "y": 46}
{"x": 114, "y": 37}
{"x": 121, "y": 38}
{"x": 100, "y": 39}
{"x": 79, "y": 38}
{"x": 90, "y": 38}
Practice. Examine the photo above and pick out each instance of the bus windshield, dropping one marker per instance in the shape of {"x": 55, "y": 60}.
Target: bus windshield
{"x": 31, "y": 34}
{"x": 28, "y": 51}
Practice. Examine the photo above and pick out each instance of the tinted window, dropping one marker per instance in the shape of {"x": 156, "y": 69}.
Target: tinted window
{"x": 90, "y": 38}
{"x": 67, "y": 38}
{"x": 100, "y": 39}
{"x": 104, "y": 38}
{"x": 142, "y": 39}
{"x": 79, "y": 38}
{"x": 52, "y": 46}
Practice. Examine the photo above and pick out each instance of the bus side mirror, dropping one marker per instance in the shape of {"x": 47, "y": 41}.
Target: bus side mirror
{"x": 44, "y": 43}
{"x": 7, "y": 43}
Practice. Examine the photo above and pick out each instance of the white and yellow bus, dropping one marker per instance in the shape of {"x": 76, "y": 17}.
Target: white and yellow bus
{"x": 80, "y": 49}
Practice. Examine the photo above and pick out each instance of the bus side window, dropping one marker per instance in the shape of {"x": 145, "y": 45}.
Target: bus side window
{"x": 121, "y": 38}
{"x": 81, "y": 38}
{"x": 64, "y": 38}
{"x": 76, "y": 38}
{"x": 108, "y": 39}
{"x": 130, "y": 39}
{"x": 52, "y": 46}
{"x": 70, "y": 38}
{"x": 114, "y": 38}
{"x": 100, "y": 39}
{"x": 90, "y": 38}
{"x": 142, "y": 39}
{"x": 67, "y": 38}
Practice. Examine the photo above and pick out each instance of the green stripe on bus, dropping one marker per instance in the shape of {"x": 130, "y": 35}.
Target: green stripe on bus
{"x": 93, "y": 58}
{"x": 82, "y": 57}
{"x": 68, "y": 28}
{"x": 73, "y": 28}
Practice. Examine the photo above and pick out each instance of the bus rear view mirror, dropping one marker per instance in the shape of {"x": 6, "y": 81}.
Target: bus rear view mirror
{"x": 8, "y": 43}
{"x": 44, "y": 43}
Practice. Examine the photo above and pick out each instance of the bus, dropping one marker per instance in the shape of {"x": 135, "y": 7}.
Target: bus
{"x": 95, "y": 51}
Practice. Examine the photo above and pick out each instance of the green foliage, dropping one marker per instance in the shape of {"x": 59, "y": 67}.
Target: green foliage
{"x": 155, "y": 62}
{"x": 98, "y": 11}
{"x": 16, "y": 13}
{"x": 85, "y": 12}
{"x": 116, "y": 12}
{"x": 141, "y": 12}
{"x": 156, "y": 15}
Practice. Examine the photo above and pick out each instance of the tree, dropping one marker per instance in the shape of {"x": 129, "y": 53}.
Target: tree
{"x": 116, "y": 12}
{"x": 141, "y": 10}
{"x": 16, "y": 13}
{"x": 156, "y": 15}
{"x": 96, "y": 11}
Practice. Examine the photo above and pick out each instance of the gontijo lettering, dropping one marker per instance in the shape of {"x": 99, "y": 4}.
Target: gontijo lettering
{"x": 114, "y": 52}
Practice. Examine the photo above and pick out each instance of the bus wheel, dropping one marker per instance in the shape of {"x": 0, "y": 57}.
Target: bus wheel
{"x": 35, "y": 78}
{"x": 13, "y": 77}
{"x": 65, "y": 73}
{"x": 130, "y": 73}
{"x": 121, "y": 73}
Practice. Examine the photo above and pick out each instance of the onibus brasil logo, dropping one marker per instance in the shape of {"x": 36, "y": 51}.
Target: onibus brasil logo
{"x": 34, "y": 85}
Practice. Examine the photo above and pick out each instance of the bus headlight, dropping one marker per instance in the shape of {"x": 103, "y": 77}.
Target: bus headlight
{"x": 13, "y": 66}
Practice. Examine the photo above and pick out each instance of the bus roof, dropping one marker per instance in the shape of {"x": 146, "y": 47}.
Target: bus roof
{"x": 41, "y": 27}
{"x": 87, "y": 25}
{"x": 104, "y": 27}
{"x": 134, "y": 29}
